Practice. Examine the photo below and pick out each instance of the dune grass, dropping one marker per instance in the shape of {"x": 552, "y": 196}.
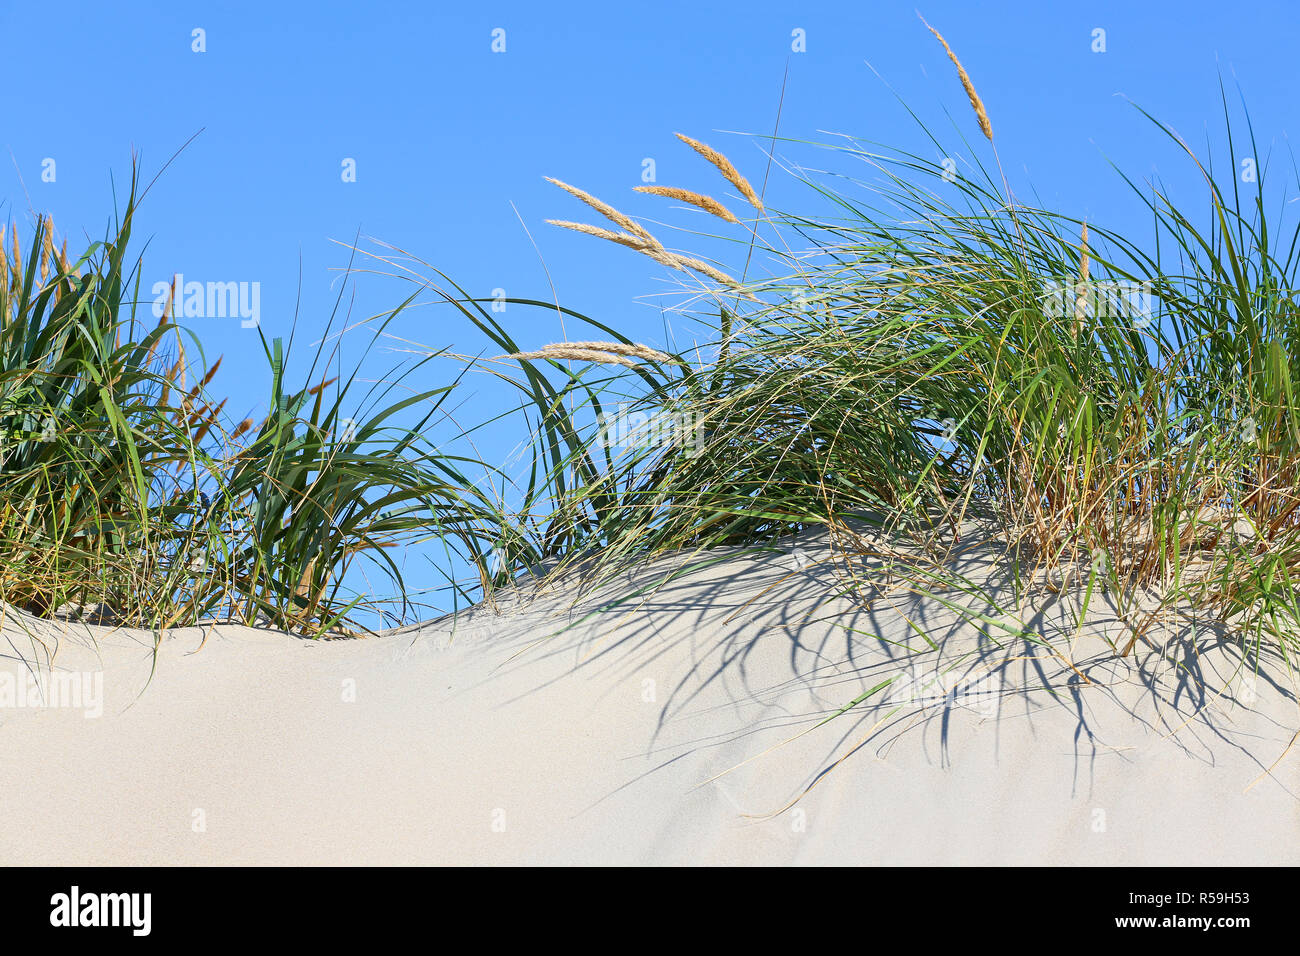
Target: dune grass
{"x": 129, "y": 497}
{"x": 1123, "y": 408}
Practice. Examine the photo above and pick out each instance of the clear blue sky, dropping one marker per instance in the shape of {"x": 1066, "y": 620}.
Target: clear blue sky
{"x": 447, "y": 134}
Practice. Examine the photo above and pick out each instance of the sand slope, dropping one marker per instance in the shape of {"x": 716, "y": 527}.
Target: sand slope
{"x": 675, "y": 728}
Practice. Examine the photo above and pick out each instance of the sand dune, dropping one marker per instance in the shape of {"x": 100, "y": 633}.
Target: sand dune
{"x": 682, "y": 726}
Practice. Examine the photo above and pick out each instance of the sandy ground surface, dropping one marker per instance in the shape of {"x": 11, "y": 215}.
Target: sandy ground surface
{"x": 685, "y": 725}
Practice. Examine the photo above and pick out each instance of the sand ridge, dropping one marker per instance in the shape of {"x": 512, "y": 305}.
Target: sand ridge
{"x": 687, "y": 724}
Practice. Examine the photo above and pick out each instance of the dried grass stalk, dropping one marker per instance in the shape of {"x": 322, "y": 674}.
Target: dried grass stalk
{"x": 622, "y": 238}
{"x": 608, "y": 211}
{"x": 655, "y": 251}
{"x": 707, "y": 203}
{"x": 1081, "y": 300}
{"x": 47, "y": 248}
{"x": 618, "y": 348}
{"x": 729, "y": 172}
{"x": 686, "y": 263}
{"x": 985, "y": 126}
{"x": 563, "y": 351}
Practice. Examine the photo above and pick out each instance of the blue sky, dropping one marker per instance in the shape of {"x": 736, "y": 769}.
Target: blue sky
{"x": 452, "y": 140}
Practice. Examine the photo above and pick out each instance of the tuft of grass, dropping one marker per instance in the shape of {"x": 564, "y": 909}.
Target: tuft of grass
{"x": 972, "y": 356}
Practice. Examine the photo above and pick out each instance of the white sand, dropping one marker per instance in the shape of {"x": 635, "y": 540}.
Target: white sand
{"x": 604, "y": 743}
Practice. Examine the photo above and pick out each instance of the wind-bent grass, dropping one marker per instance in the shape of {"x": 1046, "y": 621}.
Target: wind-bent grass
{"x": 1123, "y": 410}
{"x": 1123, "y": 414}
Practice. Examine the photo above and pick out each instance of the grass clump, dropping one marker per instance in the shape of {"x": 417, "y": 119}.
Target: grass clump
{"x": 127, "y": 496}
{"x": 1122, "y": 409}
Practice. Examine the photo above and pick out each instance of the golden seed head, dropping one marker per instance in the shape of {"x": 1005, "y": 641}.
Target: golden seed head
{"x": 622, "y": 238}
{"x": 618, "y": 348}
{"x": 606, "y": 210}
{"x": 47, "y": 248}
{"x": 707, "y": 203}
{"x": 562, "y": 351}
{"x": 1081, "y": 301}
{"x": 729, "y": 172}
{"x": 717, "y": 275}
{"x": 985, "y": 126}
{"x": 607, "y": 353}
{"x": 167, "y": 308}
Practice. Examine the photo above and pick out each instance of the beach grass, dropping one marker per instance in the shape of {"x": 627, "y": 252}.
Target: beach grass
{"x": 1121, "y": 407}
{"x": 129, "y": 497}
